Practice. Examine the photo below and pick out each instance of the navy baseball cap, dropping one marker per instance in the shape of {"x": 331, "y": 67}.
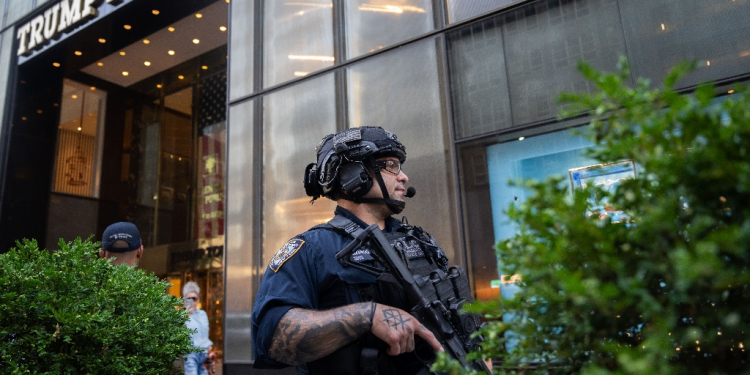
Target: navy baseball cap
{"x": 122, "y": 231}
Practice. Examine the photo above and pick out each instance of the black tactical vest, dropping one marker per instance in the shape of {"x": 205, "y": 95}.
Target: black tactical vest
{"x": 426, "y": 260}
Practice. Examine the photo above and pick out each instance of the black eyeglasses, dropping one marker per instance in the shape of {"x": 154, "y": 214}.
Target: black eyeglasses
{"x": 391, "y": 166}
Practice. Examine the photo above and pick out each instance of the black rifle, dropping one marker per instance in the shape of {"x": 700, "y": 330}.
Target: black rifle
{"x": 428, "y": 293}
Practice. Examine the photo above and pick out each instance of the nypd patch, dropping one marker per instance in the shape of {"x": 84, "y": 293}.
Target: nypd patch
{"x": 285, "y": 253}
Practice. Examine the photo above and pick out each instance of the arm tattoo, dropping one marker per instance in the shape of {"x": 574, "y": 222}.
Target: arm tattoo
{"x": 393, "y": 318}
{"x": 306, "y": 335}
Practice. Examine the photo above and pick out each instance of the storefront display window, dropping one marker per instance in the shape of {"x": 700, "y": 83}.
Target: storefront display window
{"x": 79, "y": 140}
{"x": 487, "y": 168}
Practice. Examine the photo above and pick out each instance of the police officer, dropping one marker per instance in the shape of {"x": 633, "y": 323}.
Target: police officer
{"x": 313, "y": 313}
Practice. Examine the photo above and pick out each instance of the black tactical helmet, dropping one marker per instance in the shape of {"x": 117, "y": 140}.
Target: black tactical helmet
{"x": 343, "y": 160}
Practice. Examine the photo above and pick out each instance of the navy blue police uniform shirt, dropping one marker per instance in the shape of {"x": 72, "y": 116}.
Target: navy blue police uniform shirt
{"x": 304, "y": 273}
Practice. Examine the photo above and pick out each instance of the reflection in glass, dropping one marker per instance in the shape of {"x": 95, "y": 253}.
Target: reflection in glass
{"x": 298, "y": 39}
{"x": 543, "y": 43}
{"x": 243, "y": 47}
{"x": 239, "y": 251}
{"x": 295, "y": 120}
{"x": 479, "y": 84}
{"x": 79, "y": 140}
{"x": 374, "y": 24}
{"x": 459, "y": 10}
{"x": 399, "y": 91}
{"x": 661, "y": 34}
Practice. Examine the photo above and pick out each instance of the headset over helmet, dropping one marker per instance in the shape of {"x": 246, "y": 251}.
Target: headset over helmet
{"x": 343, "y": 162}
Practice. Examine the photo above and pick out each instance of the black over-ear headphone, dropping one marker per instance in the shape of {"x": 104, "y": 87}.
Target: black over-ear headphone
{"x": 312, "y": 188}
{"x": 354, "y": 178}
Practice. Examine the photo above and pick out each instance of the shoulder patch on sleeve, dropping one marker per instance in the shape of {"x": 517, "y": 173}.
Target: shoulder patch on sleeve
{"x": 286, "y": 252}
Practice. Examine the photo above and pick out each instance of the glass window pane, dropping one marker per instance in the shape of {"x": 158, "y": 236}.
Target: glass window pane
{"x": 459, "y": 10}
{"x": 479, "y": 85}
{"x": 79, "y": 140}
{"x": 295, "y": 120}
{"x": 543, "y": 43}
{"x": 5, "y": 53}
{"x": 400, "y": 92}
{"x": 243, "y": 46}
{"x": 297, "y": 39}
{"x": 16, "y": 9}
{"x": 661, "y": 34}
{"x": 374, "y": 24}
{"x": 239, "y": 253}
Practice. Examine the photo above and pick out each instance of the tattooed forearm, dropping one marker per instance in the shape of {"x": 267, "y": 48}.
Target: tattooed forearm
{"x": 393, "y": 318}
{"x": 306, "y": 335}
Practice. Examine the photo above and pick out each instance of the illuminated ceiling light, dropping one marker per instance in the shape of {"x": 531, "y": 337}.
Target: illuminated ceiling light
{"x": 223, "y": 28}
{"x": 79, "y": 128}
{"x": 204, "y": 67}
{"x": 227, "y": 1}
{"x": 170, "y": 52}
{"x": 127, "y": 27}
{"x": 147, "y": 63}
{"x": 198, "y": 15}
{"x": 181, "y": 77}
{"x": 122, "y": 53}
{"x": 78, "y": 53}
{"x": 301, "y": 74}
{"x": 125, "y": 73}
{"x": 171, "y": 29}
{"x": 662, "y": 26}
{"x": 102, "y": 40}
{"x": 100, "y": 63}
{"x": 56, "y": 64}
{"x": 521, "y": 138}
{"x": 196, "y": 41}
{"x": 146, "y": 41}
{"x": 74, "y": 96}
{"x": 311, "y": 57}
{"x": 155, "y": 12}
{"x": 92, "y": 88}
{"x": 158, "y": 85}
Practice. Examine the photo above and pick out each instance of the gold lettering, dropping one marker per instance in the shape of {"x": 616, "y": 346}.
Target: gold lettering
{"x": 70, "y": 14}
{"x": 22, "y": 33}
{"x": 211, "y": 198}
{"x": 36, "y": 38}
{"x": 50, "y": 21}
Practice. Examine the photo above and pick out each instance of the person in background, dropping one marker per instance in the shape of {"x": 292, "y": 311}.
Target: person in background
{"x": 198, "y": 321}
{"x": 121, "y": 242}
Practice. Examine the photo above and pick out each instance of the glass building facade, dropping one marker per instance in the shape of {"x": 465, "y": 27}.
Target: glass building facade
{"x": 204, "y": 148}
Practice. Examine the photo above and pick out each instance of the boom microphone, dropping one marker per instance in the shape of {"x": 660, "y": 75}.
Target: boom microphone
{"x": 410, "y": 192}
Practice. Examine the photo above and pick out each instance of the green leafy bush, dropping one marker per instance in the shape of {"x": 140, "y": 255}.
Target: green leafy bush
{"x": 70, "y": 312}
{"x": 664, "y": 291}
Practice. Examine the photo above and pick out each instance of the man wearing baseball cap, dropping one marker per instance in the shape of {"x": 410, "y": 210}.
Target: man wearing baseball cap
{"x": 122, "y": 243}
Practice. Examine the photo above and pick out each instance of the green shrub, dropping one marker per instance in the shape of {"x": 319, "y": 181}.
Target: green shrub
{"x": 70, "y": 312}
{"x": 663, "y": 292}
